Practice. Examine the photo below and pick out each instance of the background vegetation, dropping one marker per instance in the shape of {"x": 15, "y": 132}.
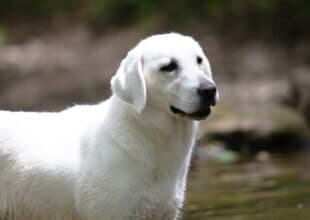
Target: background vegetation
{"x": 286, "y": 18}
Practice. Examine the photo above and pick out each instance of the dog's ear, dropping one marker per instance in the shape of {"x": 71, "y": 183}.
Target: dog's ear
{"x": 129, "y": 83}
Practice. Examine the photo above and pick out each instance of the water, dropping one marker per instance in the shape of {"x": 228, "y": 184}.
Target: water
{"x": 276, "y": 189}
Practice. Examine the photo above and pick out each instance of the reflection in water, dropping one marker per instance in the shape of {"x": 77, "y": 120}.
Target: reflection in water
{"x": 277, "y": 189}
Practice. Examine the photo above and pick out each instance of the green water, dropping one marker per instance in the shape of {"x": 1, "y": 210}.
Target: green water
{"x": 276, "y": 189}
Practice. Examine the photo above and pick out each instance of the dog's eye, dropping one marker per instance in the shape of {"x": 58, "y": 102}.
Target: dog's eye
{"x": 199, "y": 60}
{"x": 172, "y": 66}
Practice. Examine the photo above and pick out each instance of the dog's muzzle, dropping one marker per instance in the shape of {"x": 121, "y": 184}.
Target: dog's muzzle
{"x": 207, "y": 95}
{"x": 199, "y": 115}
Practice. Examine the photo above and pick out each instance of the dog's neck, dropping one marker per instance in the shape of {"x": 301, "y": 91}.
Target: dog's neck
{"x": 152, "y": 118}
{"x": 166, "y": 137}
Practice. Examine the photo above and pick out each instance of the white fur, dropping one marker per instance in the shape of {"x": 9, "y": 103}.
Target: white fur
{"x": 125, "y": 158}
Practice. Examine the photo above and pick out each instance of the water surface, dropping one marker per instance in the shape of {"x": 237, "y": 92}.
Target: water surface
{"x": 276, "y": 189}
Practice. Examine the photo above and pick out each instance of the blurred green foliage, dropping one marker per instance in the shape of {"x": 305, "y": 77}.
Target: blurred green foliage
{"x": 286, "y": 17}
{"x": 33, "y": 9}
{"x": 2, "y": 37}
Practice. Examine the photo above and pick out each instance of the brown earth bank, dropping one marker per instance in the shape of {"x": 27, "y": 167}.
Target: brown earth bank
{"x": 264, "y": 86}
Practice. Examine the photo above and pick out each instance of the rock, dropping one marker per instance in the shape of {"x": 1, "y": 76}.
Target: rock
{"x": 299, "y": 97}
{"x": 250, "y": 129}
{"x": 263, "y": 156}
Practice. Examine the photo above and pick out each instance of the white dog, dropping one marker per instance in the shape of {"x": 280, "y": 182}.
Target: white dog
{"x": 125, "y": 158}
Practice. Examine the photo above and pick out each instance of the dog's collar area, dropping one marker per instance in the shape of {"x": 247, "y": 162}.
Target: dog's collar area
{"x": 199, "y": 115}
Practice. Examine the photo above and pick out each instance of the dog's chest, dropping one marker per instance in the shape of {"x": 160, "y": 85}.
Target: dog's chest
{"x": 155, "y": 200}
{"x": 138, "y": 173}
{"x": 133, "y": 190}
{"x": 151, "y": 210}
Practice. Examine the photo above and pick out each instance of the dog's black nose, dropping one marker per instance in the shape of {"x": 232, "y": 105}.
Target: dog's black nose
{"x": 207, "y": 94}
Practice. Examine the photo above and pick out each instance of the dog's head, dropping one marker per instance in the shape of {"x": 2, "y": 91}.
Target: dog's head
{"x": 169, "y": 72}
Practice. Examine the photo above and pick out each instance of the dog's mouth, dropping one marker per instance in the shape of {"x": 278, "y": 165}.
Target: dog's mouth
{"x": 199, "y": 115}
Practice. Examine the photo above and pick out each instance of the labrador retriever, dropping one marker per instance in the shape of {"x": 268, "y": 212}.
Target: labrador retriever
{"x": 124, "y": 158}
